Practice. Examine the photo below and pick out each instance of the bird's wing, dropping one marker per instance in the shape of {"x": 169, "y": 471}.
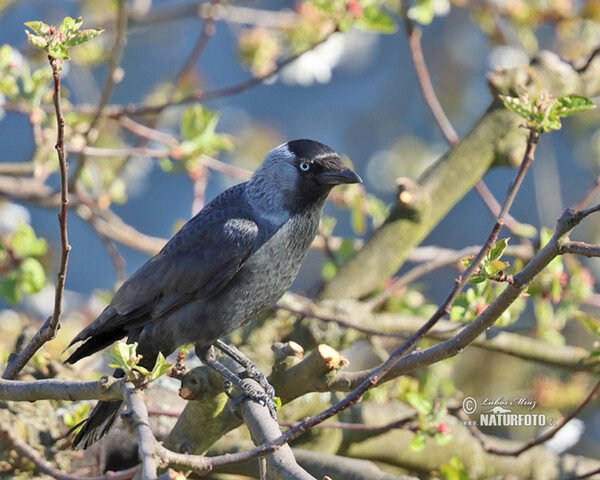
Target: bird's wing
{"x": 195, "y": 264}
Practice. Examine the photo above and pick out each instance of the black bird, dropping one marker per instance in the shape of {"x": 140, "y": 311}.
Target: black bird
{"x": 229, "y": 263}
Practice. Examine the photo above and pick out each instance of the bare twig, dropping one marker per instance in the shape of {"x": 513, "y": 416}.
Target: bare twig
{"x": 46, "y": 467}
{"x": 589, "y": 194}
{"x": 580, "y": 248}
{"x": 308, "y": 313}
{"x": 114, "y": 62}
{"x": 208, "y": 30}
{"x": 146, "y": 132}
{"x": 414, "y": 40}
{"x": 48, "y": 330}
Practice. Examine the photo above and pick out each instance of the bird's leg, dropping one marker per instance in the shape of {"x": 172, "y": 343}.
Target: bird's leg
{"x": 207, "y": 355}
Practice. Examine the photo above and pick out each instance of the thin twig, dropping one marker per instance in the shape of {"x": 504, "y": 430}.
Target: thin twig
{"x": 48, "y": 330}
{"x": 424, "y": 79}
{"x": 589, "y": 194}
{"x": 338, "y": 321}
{"x": 109, "y": 244}
{"x": 208, "y": 30}
{"x": 418, "y": 271}
{"x": 583, "y": 476}
{"x": 580, "y": 248}
{"x": 46, "y": 467}
{"x": 114, "y": 62}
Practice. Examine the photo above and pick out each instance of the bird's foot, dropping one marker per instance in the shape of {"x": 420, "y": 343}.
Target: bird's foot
{"x": 232, "y": 379}
{"x": 251, "y": 370}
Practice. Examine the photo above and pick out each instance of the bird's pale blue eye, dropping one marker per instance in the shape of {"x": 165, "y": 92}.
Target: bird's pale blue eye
{"x": 305, "y": 167}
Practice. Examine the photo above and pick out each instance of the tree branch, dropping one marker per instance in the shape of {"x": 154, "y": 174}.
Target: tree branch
{"x": 48, "y": 331}
{"x": 46, "y": 467}
{"x": 137, "y": 414}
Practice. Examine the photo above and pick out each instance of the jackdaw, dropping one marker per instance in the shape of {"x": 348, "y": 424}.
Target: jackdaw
{"x": 226, "y": 265}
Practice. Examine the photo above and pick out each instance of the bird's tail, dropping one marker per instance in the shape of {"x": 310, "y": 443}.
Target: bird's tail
{"x": 97, "y": 424}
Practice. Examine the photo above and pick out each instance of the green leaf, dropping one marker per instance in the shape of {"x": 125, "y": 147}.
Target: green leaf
{"x": 419, "y": 402}
{"x": 422, "y": 12}
{"x": 68, "y": 24}
{"x": 572, "y": 104}
{"x": 329, "y": 270}
{"x": 31, "y": 275}
{"x": 478, "y": 278}
{"x": 497, "y": 266}
{"x": 37, "y": 41}
{"x": 58, "y": 51}
{"x": 39, "y": 28}
{"x": 442, "y": 438}
{"x": 498, "y": 250}
{"x": 520, "y": 106}
{"x": 160, "y": 367}
{"x": 418, "y": 442}
{"x": 376, "y": 20}
{"x": 83, "y": 36}
{"x": 197, "y": 120}
{"x": 9, "y": 288}
{"x": 144, "y": 371}
{"x": 589, "y": 322}
{"x": 25, "y": 243}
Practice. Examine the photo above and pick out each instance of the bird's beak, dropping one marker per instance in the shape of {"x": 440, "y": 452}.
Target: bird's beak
{"x": 335, "y": 177}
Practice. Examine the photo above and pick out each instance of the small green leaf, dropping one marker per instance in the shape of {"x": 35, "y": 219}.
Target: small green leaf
{"x": 144, "y": 371}
{"x": 58, "y": 51}
{"x": 31, "y": 275}
{"x": 197, "y": 120}
{"x": 442, "y": 438}
{"x": 418, "y": 401}
{"x": 25, "y": 243}
{"x": 68, "y": 25}
{"x": 551, "y": 122}
{"x": 160, "y": 367}
{"x": 589, "y": 322}
{"x": 497, "y": 266}
{"x": 572, "y": 104}
{"x": 417, "y": 443}
{"x": 478, "y": 278}
{"x": 329, "y": 270}
{"x": 39, "y": 28}
{"x": 520, "y": 106}
{"x": 376, "y": 20}
{"x": 498, "y": 249}
{"x": 422, "y": 12}
{"x": 37, "y": 41}
{"x": 83, "y": 36}
{"x": 9, "y": 288}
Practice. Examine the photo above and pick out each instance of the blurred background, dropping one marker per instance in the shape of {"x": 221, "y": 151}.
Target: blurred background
{"x": 356, "y": 92}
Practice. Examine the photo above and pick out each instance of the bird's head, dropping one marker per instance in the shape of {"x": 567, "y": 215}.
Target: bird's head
{"x": 301, "y": 173}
